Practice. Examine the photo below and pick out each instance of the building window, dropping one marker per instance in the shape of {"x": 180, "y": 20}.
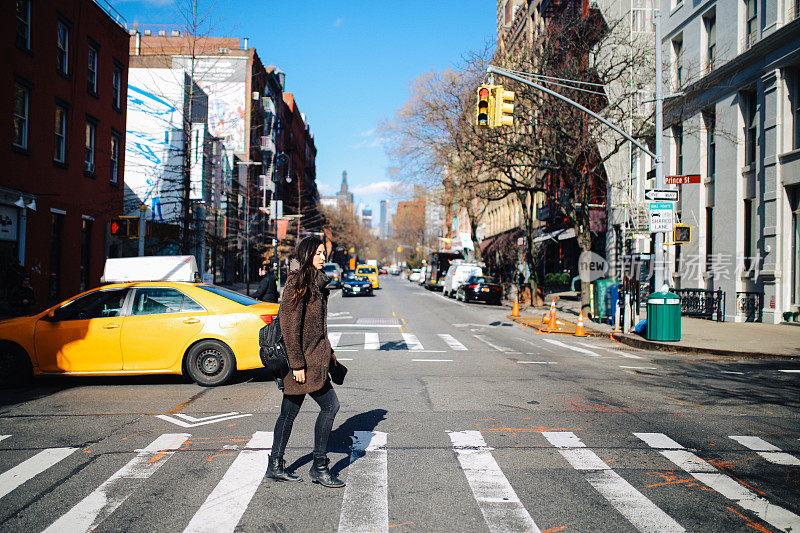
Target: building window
{"x": 22, "y": 96}
{"x": 24, "y": 24}
{"x": 91, "y": 83}
{"x": 711, "y": 144}
{"x": 710, "y": 23}
{"x": 86, "y": 252}
{"x": 751, "y": 25}
{"x": 62, "y": 43}
{"x": 114, "y": 167}
{"x": 751, "y": 127}
{"x": 747, "y": 249}
{"x": 642, "y": 17}
{"x": 60, "y": 152}
{"x": 91, "y": 134}
{"x": 709, "y": 236}
{"x": 796, "y": 113}
{"x": 677, "y": 135}
{"x": 54, "y": 279}
{"x": 677, "y": 52}
{"x": 117, "y": 88}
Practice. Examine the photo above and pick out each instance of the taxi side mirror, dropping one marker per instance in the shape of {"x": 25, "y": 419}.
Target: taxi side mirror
{"x": 51, "y": 314}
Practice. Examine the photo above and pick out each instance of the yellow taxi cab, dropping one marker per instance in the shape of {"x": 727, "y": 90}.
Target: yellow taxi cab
{"x": 160, "y": 323}
{"x": 371, "y": 272}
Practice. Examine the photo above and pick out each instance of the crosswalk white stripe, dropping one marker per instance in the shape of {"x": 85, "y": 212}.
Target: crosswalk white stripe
{"x": 452, "y": 342}
{"x": 658, "y": 440}
{"x": 371, "y": 341}
{"x": 104, "y": 500}
{"x": 412, "y": 342}
{"x": 13, "y": 478}
{"x": 483, "y": 339}
{"x": 775, "y": 515}
{"x": 771, "y": 453}
{"x": 334, "y": 337}
{"x": 4, "y": 437}
{"x": 365, "y": 504}
{"x": 632, "y": 504}
{"x": 570, "y": 347}
{"x": 499, "y": 504}
{"x": 226, "y": 504}
{"x": 623, "y": 354}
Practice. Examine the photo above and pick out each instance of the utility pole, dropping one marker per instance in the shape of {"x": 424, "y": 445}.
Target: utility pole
{"x": 142, "y": 224}
{"x": 658, "y": 253}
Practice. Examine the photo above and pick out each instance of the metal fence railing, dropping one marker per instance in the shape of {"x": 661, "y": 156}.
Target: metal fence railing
{"x": 702, "y": 303}
{"x": 750, "y": 305}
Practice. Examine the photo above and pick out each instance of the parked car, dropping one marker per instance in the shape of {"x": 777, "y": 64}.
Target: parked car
{"x": 383, "y": 270}
{"x": 369, "y": 271}
{"x": 334, "y": 271}
{"x": 458, "y": 273}
{"x": 394, "y": 270}
{"x": 355, "y": 285}
{"x": 151, "y": 318}
{"x": 481, "y": 288}
{"x": 414, "y": 276}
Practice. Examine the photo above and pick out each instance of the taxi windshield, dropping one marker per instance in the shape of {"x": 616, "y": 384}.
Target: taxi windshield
{"x": 366, "y": 270}
{"x": 230, "y": 295}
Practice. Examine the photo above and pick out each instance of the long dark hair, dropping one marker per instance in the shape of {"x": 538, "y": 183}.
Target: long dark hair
{"x": 306, "y": 276}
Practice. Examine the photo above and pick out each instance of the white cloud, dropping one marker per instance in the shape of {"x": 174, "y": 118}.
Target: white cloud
{"x": 325, "y": 189}
{"x": 338, "y": 22}
{"x": 380, "y": 187}
{"x": 371, "y": 139}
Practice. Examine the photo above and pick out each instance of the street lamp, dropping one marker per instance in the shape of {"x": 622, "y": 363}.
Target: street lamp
{"x": 248, "y": 221}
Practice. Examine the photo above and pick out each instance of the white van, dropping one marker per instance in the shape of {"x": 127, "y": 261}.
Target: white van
{"x": 457, "y": 274}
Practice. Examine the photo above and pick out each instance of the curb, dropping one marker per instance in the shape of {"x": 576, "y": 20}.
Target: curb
{"x": 693, "y": 350}
{"x": 521, "y": 321}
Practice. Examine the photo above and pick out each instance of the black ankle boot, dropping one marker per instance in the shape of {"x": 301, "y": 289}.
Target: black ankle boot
{"x": 320, "y": 474}
{"x": 277, "y": 470}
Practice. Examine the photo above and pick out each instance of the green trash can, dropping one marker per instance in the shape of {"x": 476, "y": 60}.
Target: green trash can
{"x": 663, "y": 317}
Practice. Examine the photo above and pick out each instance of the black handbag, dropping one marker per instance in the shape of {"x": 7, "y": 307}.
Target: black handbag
{"x": 272, "y": 349}
{"x": 337, "y": 371}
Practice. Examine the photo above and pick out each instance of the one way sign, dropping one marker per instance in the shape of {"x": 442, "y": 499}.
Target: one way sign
{"x": 661, "y": 195}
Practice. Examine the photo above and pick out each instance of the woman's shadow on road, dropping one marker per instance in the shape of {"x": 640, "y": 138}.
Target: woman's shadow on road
{"x": 340, "y": 438}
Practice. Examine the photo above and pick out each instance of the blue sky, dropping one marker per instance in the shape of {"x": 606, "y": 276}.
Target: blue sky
{"x": 349, "y": 64}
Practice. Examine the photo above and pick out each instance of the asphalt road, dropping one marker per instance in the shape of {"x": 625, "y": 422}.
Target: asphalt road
{"x": 453, "y": 419}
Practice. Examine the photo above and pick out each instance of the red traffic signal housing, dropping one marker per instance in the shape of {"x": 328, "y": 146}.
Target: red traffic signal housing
{"x": 484, "y": 107}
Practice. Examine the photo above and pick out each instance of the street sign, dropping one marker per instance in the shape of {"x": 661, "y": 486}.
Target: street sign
{"x": 661, "y": 217}
{"x": 683, "y": 180}
{"x": 661, "y": 195}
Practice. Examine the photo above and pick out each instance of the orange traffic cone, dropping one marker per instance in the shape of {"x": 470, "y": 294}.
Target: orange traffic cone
{"x": 515, "y": 309}
{"x": 579, "y": 330}
{"x": 552, "y": 321}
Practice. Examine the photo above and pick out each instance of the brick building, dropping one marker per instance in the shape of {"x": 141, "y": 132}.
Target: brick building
{"x": 64, "y": 92}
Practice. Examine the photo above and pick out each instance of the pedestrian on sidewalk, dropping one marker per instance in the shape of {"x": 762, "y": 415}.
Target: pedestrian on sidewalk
{"x": 303, "y": 318}
{"x": 268, "y": 286}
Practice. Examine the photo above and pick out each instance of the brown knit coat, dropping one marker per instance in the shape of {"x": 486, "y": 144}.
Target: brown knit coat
{"x": 306, "y": 338}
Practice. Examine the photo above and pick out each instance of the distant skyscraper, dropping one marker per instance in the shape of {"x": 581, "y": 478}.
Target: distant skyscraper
{"x": 383, "y": 220}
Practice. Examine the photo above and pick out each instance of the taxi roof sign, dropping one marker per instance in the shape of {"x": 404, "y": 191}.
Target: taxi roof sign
{"x": 150, "y": 268}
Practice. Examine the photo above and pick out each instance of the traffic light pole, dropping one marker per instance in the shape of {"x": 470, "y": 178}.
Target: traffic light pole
{"x": 658, "y": 253}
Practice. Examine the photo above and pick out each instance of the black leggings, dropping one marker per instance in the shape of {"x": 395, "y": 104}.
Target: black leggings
{"x": 329, "y": 406}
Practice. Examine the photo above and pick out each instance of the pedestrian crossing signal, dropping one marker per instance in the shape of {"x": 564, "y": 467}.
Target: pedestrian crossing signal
{"x": 682, "y": 234}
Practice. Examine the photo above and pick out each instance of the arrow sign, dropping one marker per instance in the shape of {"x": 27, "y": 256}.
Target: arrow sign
{"x": 661, "y": 195}
{"x": 191, "y": 422}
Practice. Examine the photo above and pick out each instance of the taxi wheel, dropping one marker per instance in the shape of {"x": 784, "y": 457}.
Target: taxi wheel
{"x": 210, "y": 363}
{"x": 15, "y": 366}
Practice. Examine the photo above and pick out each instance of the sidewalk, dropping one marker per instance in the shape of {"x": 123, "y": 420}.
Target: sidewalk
{"x": 697, "y": 336}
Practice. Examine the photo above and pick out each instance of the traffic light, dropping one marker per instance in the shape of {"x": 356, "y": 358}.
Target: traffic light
{"x": 119, "y": 227}
{"x": 682, "y": 234}
{"x": 399, "y": 249}
{"x": 485, "y": 107}
{"x": 504, "y": 107}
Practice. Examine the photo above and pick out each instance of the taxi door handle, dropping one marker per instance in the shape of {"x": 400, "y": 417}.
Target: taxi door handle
{"x": 111, "y": 326}
{"x": 191, "y": 321}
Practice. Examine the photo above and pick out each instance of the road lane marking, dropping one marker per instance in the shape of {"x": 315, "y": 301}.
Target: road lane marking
{"x": 623, "y": 354}
{"x": 30, "y": 468}
{"x": 344, "y": 358}
{"x": 226, "y": 504}
{"x": 412, "y": 342}
{"x": 537, "y": 362}
{"x": 452, "y": 342}
{"x": 706, "y": 473}
{"x": 501, "y": 507}
{"x": 104, "y": 500}
{"x": 4, "y": 437}
{"x": 793, "y": 371}
{"x": 571, "y": 347}
{"x": 483, "y": 339}
{"x": 640, "y": 367}
{"x": 371, "y": 341}
{"x": 191, "y": 422}
{"x": 731, "y": 372}
{"x": 365, "y": 326}
{"x": 334, "y": 337}
{"x": 632, "y": 504}
{"x": 365, "y": 504}
{"x": 771, "y": 453}
{"x": 432, "y": 360}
